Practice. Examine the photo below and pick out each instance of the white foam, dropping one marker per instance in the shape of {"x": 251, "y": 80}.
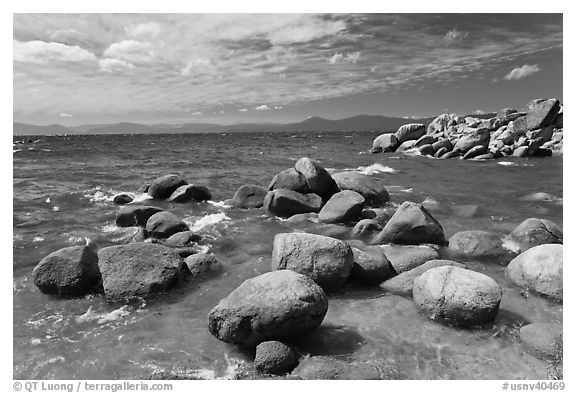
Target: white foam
{"x": 37, "y": 239}
{"x": 375, "y": 168}
{"x": 16, "y": 151}
{"x": 56, "y": 209}
{"x": 220, "y": 204}
{"x": 140, "y": 197}
{"x": 78, "y": 239}
{"x": 511, "y": 245}
{"x": 507, "y": 163}
{"x": 206, "y": 221}
{"x": 101, "y": 318}
{"x": 48, "y": 200}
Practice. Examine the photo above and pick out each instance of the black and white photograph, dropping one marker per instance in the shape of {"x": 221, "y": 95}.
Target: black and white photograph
{"x": 287, "y": 196}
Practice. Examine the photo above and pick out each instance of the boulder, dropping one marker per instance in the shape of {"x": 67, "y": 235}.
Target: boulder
{"x": 68, "y": 272}
{"x": 373, "y": 190}
{"x": 439, "y": 124}
{"x": 559, "y": 121}
{"x": 325, "y": 368}
{"x": 318, "y": 179}
{"x": 545, "y": 133}
{"x": 479, "y": 244}
{"x": 459, "y": 296}
{"x": 386, "y": 143}
{"x": 412, "y": 224}
{"x": 518, "y": 127}
{"x": 162, "y": 187}
{"x": 199, "y": 264}
{"x": 190, "y": 192}
{"x": 543, "y": 339}
{"x": 410, "y": 132}
{"x": 370, "y": 266}
{"x": 273, "y": 306}
{"x": 344, "y": 206}
{"x": 135, "y": 215}
{"x": 407, "y": 145}
{"x": 450, "y": 154}
{"x": 475, "y": 151}
{"x": 424, "y": 140}
{"x": 402, "y": 284}
{"x": 274, "y": 357}
{"x": 122, "y": 199}
{"x": 426, "y": 150}
{"x": 540, "y": 152}
{"x": 487, "y": 156}
{"x": 521, "y": 151}
{"x": 506, "y": 112}
{"x": 304, "y": 217}
{"x": 249, "y": 196}
{"x": 376, "y": 150}
{"x": 286, "y": 203}
{"x": 535, "y": 231}
{"x": 165, "y": 224}
{"x": 440, "y": 152}
{"x": 325, "y": 260}
{"x": 138, "y": 270}
{"x": 289, "y": 179}
{"x": 366, "y": 229}
{"x": 539, "y": 269}
{"x": 471, "y": 138}
{"x": 405, "y": 258}
{"x": 182, "y": 239}
{"x": 442, "y": 143}
{"x": 542, "y": 114}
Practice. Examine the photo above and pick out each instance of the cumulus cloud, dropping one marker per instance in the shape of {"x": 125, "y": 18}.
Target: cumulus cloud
{"x": 114, "y": 65}
{"x": 522, "y": 72}
{"x": 341, "y": 58}
{"x": 263, "y": 107}
{"x": 130, "y": 51}
{"x": 151, "y": 29}
{"x": 64, "y": 114}
{"x": 41, "y": 52}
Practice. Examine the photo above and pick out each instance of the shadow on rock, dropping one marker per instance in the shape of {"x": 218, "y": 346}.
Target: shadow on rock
{"x": 330, "y": 340}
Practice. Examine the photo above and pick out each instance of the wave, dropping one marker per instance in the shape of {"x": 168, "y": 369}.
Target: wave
{"x": 206, "y": 221}
{"x": 375, "y": 168}
{"x": 101, "y": 318}
{"x": 220, "y": 204}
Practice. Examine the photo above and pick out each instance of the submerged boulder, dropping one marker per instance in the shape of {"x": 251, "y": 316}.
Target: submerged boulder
{"x": 249, "y": 196}
{"x": 70, "y": 271}
{"x": 289, "y": 179}
{"x": 325, "y": 260}
{"x": 190, "y": 192}
{"x": 411, "y": 131}
{"x": 162, "y": 187}
{"x": 138, "y": 270}
{"x": 539, "y": 269}
{"x": 342, "y": 207}
{"x": 405, "y": 258}
{"x": 326, "y": 368}
{"x": 543, "y": 339}
{"x": 479, "y": 244}
{"x": 373, "y": 190}
{"x": 457, "y": 295}
{"x": 286, "y": 203}
{"x": 274, "y": 357}
{"x": 318, "y": 179}
{"x": 135, "y": 215}
{"x": 535, "y": 231}
{"x": 412, "y": 224}
{"x": 273, "y": 306}
{"x": 165, "y": 224}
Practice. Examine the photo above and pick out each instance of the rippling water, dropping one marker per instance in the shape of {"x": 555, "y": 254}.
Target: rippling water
{"x": 63, "y": 188}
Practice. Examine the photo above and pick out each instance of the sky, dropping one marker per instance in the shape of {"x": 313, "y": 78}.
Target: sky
{"x": 76, "y": 69}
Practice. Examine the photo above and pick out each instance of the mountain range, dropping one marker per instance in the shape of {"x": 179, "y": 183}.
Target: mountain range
{"x": 312, "y": 124}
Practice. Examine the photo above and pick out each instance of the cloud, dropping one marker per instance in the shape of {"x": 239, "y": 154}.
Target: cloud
{"x": 195, "y": 65}
{"x": 263, "y": 107}
{"x": 150, "y": 29}
{"x": 242, "y": 110}
{"x": 41, "y": 52}
{"x": 309, "y": 30}
{"x": 455, "y": 38}
{"x": 64, "y": 114}
{"x": 341, "y": 58}
{"x": 114, "y": 65}
{"x": 64, "y": 33}
{"x": 522, "y": 72}
{"x": 131, "y": 51}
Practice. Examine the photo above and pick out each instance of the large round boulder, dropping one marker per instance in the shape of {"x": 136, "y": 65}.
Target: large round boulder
{"x": 405, "y": 258}
{"x": 135, "y": 215}
{"x": 289, "y": 179}
{"x": 543, "y": 339}
{"x": 471, "y": 138}
{"x": 286, "y": 203}
{"x": 409, "y": 132}
{"x": 190, "y": 192}
{"x": 344, "y": 206}
{"x": 162, "y": 187}
{"x": 70, "y": 271}
{"x": 249, "y": 196}
{"x": 274, "y": 357}
{"x": 318, "y": 179}
{"x": 539, "y": 269}
{"x": 327, "y": 368}
{"x": 165, "y": 224}
{"x": 439, "y": 124}
{"x": 385, "y": 143}
{"x": 412, "y": 224}
{"x": 370, "y": 266}
{"x": 325, "y": 260}
{"x": 373, "y": 190}
{"x": 456, "y": 295}
{"x": 479, "y": 244}
{"x": 138, "y": 270}
{"x": 122, "y": 199}
{"x": 273, "y": 306}
{"x": 535, "y": 231}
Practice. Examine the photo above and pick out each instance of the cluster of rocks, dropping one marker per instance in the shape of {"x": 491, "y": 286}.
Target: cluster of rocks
{"x": 535, "y": 131}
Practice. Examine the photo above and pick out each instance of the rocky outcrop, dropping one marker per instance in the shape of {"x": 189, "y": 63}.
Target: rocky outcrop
{"x": 344, "y": 206}
{"x": 411, "y": 224}
{"x": 165, "y": 224}
{"x": 325, "y": 260}
{"x": 190, "y": 192}
{"x": 273, "y": 306}
{"x": 249, "y": 196}
{"x": 138, "y": 270}
{"x": 539, "y": 269}
{"x": 274, "y": 357}
{"x": 373, "y": 190}
{"x": 318, "y": 179}
{"x": 135, "y": 215}
{"x": 456, "y": 295}
{"x": 534, "y": 232}
{"x": 162, "y": 187}
{"x": 286, "y": 203}
{"x": 68, "y": 272}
